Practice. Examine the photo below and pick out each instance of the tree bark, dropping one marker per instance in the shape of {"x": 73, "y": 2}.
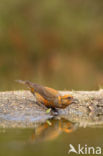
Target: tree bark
{"x": 20, "y": 109}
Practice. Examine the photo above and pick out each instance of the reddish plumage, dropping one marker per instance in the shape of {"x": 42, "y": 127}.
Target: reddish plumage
{"x": 48, "y": 96}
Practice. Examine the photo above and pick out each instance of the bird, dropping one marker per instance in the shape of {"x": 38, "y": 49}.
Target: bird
{"x": 49, "y": 97}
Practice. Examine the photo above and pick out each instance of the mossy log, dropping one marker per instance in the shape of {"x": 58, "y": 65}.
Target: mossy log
{"x": 20, "y": 109}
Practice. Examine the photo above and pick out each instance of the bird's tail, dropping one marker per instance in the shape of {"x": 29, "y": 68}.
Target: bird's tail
{"x": 28, "y": 83}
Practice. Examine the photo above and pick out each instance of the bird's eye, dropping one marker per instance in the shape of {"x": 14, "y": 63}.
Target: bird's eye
{"x": 69, "y": 98}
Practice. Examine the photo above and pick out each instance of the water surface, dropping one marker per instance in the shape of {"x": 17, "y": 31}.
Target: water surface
{"x": 49, "y": 138}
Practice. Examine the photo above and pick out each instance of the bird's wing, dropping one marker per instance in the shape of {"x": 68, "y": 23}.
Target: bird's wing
{"x": 46, "y": 92}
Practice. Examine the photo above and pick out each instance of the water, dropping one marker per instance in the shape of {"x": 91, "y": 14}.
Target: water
{"x": 48, "y": 139}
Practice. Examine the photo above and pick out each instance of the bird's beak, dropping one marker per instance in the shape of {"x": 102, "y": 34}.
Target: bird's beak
{"x": 75, "y": 101}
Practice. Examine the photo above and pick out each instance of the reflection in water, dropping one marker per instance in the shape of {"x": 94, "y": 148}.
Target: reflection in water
{"x": 52, "y": 137}
{"x": 52, "y": 129}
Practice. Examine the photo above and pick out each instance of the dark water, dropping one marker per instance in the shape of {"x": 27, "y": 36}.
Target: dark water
{"x": 48, "y": 139}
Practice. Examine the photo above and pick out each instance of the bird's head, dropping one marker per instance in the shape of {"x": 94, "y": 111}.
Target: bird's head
{"x": 65, "y": 100}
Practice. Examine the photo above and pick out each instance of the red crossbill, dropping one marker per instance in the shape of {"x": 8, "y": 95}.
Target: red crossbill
{"x": 49, "y": 97}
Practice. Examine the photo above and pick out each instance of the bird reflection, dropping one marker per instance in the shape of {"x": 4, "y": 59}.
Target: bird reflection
{"x": 51, "y": 129}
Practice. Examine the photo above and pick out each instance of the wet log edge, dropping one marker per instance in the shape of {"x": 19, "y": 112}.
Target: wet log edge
{"x": 88, "y": 109}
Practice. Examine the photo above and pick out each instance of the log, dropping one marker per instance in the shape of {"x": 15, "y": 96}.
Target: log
{"x": 20, "y": 109}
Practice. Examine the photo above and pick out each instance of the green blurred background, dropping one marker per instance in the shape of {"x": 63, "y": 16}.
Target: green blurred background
{"x": 52, "y": 42}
